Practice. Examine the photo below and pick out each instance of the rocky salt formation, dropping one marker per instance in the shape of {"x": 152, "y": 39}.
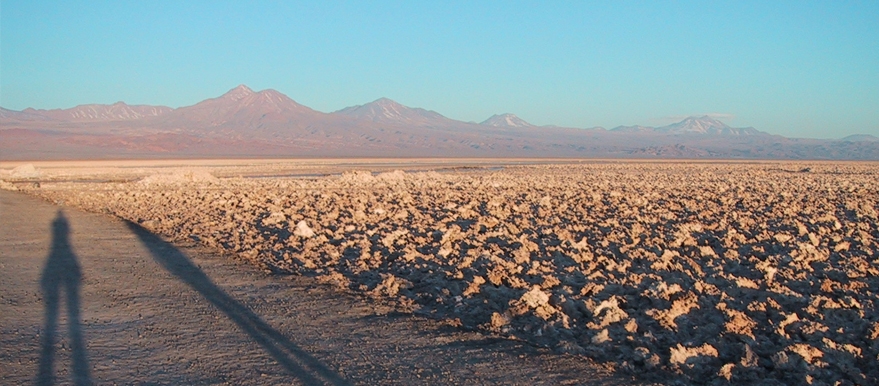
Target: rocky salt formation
{"x": 711, "y": 273}
{"x": 25, "y": 171}
{"x": 177, "y": 178}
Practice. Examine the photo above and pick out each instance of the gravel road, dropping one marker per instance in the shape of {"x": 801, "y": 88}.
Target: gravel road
{"x": 91, "y": 299}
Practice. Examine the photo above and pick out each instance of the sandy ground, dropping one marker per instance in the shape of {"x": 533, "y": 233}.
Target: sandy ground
{"x": 88, "y": 298}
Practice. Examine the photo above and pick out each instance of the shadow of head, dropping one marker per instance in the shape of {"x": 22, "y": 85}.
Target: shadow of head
{"x": 60, "y": 226}
{"x": 61, "y": 264}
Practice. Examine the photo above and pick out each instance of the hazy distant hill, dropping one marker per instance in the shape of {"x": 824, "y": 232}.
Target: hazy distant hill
{"x": 861, "y": 138}
{"x": 245, "y": 123}
{"x": 633, "y": 129}
{"x": 118, "y": 111}
{"x": 11, "y": 116}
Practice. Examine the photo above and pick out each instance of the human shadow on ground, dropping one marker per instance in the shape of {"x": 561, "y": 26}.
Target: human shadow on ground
{"x": 295, "y": 360}
{"x": 62, "y": 272}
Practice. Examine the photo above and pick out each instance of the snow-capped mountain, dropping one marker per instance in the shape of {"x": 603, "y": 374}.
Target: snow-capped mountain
{"x": 237, "y": 93}
{"x": 705, "y": 125}
{"x": 505, "y": 120}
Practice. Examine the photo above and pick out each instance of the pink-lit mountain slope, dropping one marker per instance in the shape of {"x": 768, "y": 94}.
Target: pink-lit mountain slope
{"x": 246, "y": 123}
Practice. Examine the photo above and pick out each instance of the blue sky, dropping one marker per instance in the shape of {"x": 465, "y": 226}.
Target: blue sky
{"x": 795, "y": 68}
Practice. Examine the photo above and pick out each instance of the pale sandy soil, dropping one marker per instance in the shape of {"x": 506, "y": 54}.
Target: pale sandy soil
{"x": 708, "y": 272}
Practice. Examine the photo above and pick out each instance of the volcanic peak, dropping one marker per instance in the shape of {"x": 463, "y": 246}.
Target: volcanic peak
{"x": 379, "y": 108}
{"x": 385, "y": 110}
{"x": 703, "y": 124}
{"x": 238, "y": 93}
{"x": 505, "y": 120}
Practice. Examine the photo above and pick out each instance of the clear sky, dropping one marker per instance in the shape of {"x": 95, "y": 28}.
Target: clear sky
{"x": 796, "y": 68}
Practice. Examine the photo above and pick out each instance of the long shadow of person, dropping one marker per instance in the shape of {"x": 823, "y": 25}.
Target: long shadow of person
{"x": 294, "y": 359}
{"x": 62, "y": 271}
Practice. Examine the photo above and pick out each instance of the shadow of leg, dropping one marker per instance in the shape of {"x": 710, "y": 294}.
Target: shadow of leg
{"x": 46, "y": 370}
{"x": 295, "y": 360}
{"x": 77, "y": 343}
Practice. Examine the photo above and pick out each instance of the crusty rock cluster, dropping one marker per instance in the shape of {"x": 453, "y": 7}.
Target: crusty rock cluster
{"x": 747, "y": 273}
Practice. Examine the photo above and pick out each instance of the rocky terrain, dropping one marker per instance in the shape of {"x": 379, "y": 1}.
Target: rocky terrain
{"x": 706, "y": 273}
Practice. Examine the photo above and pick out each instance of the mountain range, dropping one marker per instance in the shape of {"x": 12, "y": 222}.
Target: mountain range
{"x": 246, "y": 123}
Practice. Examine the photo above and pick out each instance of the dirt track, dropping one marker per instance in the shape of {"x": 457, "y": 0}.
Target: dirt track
{"x": 144, "y": 311}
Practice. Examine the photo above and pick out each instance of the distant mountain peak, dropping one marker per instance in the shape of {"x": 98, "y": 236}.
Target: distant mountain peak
{"x": 703, "y": 125}
{"x": 390, "y": 107}
{"x": 692, "y": 125}
{"x": 385, "y": 110}
{"x": 273, "y": 96}
{"x": 238, "y": 93}
{"x": 703, "y": 122}
{"x": 240, "y": 107}
{"x": 384, "y": 101}
{"x": 505, "y": 120}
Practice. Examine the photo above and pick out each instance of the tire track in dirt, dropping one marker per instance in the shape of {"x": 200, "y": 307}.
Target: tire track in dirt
{"x": 154, "y": 313}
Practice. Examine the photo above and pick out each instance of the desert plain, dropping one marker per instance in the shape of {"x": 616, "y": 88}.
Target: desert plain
{"x": 694, "y": 272}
